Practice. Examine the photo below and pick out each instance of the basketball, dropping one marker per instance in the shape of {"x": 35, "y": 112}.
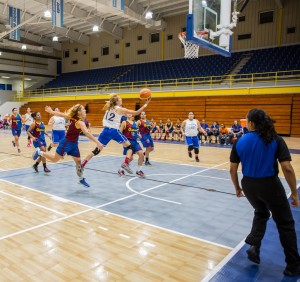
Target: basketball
{"x": 145, "y": 93}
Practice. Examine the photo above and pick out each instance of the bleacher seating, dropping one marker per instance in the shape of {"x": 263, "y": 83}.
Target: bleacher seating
{"x": 265, "y": 60}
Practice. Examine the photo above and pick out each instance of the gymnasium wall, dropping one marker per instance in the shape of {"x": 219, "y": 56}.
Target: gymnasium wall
{"x": 262, "y": 36}
{"x": 284, "y": 108}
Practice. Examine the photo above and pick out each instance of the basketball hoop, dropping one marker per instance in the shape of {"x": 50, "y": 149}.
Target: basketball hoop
{"x": 191, "y": 50}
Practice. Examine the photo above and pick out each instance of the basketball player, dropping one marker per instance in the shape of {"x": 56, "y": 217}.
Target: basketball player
{"x": 28, "y": 121}
{"x": 189, "y": 129}
{"x": 111, "y": 122}
{"x": 36, "y": 131}
{"x": 130, "y": 129}
{"x": 16, "y": 125}
{"x": 58, "y": 129}
{"x": 146, "y": 139}
{"x": 69, "y": 145}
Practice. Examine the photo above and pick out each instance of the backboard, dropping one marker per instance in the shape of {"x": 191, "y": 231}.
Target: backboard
{"x": 209, "y": 25}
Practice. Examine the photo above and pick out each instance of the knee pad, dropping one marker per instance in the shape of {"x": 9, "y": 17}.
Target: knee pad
{"x": 196, "y": 151}
{"x": 190, "y": 148}
{"x": 129, "y": 147}
{"x": 96, "y": 151}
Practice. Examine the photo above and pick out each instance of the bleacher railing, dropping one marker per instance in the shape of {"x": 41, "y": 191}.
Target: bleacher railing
{"x": 223, "y": 81}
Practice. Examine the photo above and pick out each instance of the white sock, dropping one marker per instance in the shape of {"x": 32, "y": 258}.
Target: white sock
{"x": 139, "y": 167}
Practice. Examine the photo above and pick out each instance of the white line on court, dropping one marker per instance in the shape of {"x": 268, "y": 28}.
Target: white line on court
{"x": 230, "y": 255}
{"x": 30, "y": 202}
{"x": 97, "y": 208}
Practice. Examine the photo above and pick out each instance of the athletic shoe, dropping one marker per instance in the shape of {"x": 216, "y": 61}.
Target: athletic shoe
{"x": 147, "y": 163}
{"x": 46, "y": 169}
{"x": 141, "y": 174}
{"x": 19, "y": 150}
{"x": 14, "y": 144}
{"x": 35, "y": 167}
{"x": 190, "y": 154}
{"x": 83, "y": 182}
{"x": 253, "y": 254}
{"x": 197, "y": 159}
{"x": 49, "y": 148}
{"x": 127, "y": 168}
{"x": 292, "y": 271}
{"x": 121, "y": 172}
{"x": 36, "y": 154}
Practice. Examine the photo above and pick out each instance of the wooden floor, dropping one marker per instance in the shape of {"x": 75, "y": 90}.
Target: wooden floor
{"x": 44, "y": 238}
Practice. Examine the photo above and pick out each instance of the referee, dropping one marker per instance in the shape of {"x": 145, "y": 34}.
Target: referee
{"x": 258, "y": 151}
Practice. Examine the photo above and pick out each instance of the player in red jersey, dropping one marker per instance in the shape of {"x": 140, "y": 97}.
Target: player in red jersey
{"x": 146, "y": 139}
{"x": 130, "y": 129}
{"x": 69, "y": 145}
{"x": 36, "y": 132}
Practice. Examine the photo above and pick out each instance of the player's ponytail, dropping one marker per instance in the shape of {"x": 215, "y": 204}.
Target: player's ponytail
{"x": 264, "y": 125}
{"x": 111, "y": 103}
{"x": 74, "y": 111}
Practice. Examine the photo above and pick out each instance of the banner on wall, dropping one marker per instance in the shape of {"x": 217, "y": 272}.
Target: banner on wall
{"x": 58, "y": 13}
{"x": 14, "y": 20}
{"x": 118, "y": 4}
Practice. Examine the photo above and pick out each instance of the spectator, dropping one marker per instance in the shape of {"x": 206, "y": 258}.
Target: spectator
{"x": 236, "y": 132}
{"x": 214, "y": 131}
{"x": 205, "y": 126}
{"x": 223, "y": 136}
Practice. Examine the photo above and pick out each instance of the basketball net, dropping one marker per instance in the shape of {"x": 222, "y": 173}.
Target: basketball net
{"x": 191, "y": 50}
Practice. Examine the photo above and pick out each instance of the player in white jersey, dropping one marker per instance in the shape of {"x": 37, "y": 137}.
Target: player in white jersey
{"x": 111, "y": 123}
{"x": 189, "y": 129}
{"x": 58, "y": 129}
{"x": 28, "y": 121}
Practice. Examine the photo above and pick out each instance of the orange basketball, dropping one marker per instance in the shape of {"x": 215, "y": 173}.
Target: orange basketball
{"x": 145, "y": 93}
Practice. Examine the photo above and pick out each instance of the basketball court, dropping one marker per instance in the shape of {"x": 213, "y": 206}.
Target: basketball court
{"x": 177, "y": 224}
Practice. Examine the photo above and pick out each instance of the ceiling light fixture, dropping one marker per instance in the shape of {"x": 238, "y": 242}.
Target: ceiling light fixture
{"x": 55, "y": 38}
{"x": 95, "y": 28}
{"x": 47, "y": 14}
{"x": 3, "y": 76}
{"x": 27, "y": 78}
{"x": 148, "y": 15}
{"x": 24, "y": 47}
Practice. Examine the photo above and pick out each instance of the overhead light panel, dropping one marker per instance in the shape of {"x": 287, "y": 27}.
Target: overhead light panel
{"x": 24, "y": 47}
{"x": 148, "y": 15}
{"x": 0, "y": 53}
{"x": 55, "y": 38}
{"x": 47, "y": 14}
{"x": 204, "y": 3}
{"x": 27, "y": 78}
{"x": 95, "y": 28}
{"x": 3, "y": 76}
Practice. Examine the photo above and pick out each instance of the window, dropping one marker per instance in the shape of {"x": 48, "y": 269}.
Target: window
{"x": 75, "y": 62}
{"x": 96, "y": 59}
{"x": 117, "y": 56}
{"x": 127, "y": 44}
{"x": 266, "y": 17}
{"x": 76, "y": 50}
{"x": 140, "y": 37}
{"x": 291, "y": 30}
{"x": 104, "y": 51}
{"x": 84, "y": 52}
{"x": 117, "y": 41}
{"x": 140, "y": 52}
{"x": 244, "y": 36}
{"x": 242, "y": 18}
{"x": 154, "y": 37}
{"x": 170, "y": 37}
{"x": 66, "y": 54}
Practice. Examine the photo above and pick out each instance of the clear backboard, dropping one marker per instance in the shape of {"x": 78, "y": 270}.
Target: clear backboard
{"x": 209, "y": 24}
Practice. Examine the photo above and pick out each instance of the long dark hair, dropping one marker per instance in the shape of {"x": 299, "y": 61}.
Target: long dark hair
{"x": 264, "y": 125}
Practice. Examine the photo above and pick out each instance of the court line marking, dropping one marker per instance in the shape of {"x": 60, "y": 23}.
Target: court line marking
{"x": 234, "y": 251}
{"x": 32, "y": 203}
{"x": 98, "y": 208}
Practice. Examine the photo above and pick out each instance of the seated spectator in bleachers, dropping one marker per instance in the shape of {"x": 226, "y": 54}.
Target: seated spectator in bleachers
{"x": 177, "y": 131}
{"x": 236, "y": 132}
{"x": 169, "y": 129}
{"x": 161, "y": 130}
{"x": 153, "y": 129}
{"x": 205, "y": 126}
{"x": 214, "y": 131}
{"x": 223, "y": 136}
